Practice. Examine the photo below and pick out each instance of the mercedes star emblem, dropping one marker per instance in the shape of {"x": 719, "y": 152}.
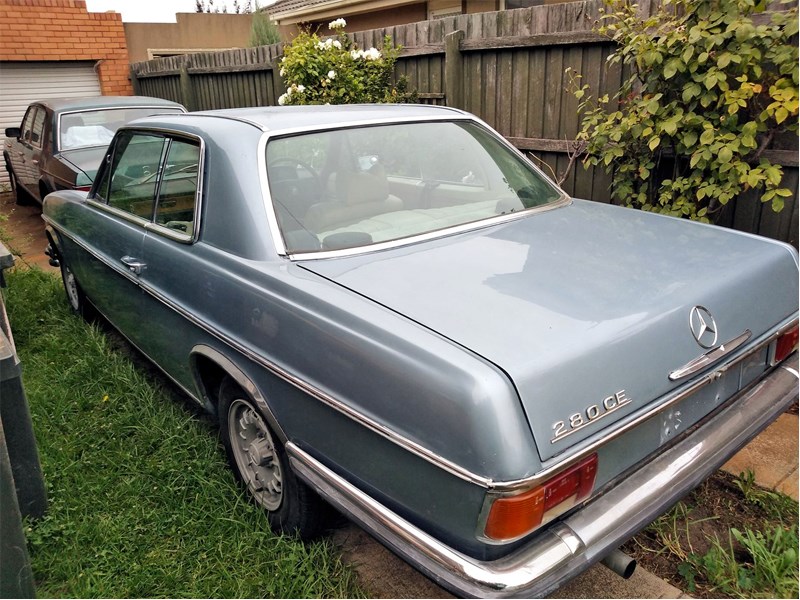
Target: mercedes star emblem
{"x": 704, "y": 329}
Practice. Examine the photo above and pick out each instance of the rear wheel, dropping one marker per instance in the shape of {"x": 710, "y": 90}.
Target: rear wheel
{"x": 259, "y": 461}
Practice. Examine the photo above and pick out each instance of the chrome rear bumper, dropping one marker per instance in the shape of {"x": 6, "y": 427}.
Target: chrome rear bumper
{"x": 572, "y": 545}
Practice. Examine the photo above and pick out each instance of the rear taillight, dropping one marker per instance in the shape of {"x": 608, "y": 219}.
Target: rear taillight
{"x": 84, "y": 188}
{"x": 785, "y": 345}
{"x": 511, "y": 517}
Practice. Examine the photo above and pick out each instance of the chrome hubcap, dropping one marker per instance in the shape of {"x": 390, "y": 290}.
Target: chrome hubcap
{"x": 71, "y": 287}
{"x": 254, "y": 451}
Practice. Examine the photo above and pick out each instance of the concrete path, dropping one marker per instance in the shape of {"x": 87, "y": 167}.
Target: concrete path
{"x": 772, "y": 456}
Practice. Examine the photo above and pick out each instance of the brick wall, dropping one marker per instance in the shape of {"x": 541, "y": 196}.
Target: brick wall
{"x": 53, "y": 30}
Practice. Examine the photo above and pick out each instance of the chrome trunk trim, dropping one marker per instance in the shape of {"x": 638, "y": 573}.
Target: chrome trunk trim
{"x": 705, "y": 360}
{"x": 572, "y": 545}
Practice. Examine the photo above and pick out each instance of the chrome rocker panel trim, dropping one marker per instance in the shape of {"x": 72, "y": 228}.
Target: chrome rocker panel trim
{"x": 574, "y": 544}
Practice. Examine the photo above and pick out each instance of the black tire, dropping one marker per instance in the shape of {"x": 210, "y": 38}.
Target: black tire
{"x": 75, "y": 296}
{"x": 21, "y": 197}
{"x": 260, "y": 464}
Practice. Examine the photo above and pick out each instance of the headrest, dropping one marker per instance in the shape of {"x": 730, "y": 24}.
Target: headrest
{"x": 362, "y": 186}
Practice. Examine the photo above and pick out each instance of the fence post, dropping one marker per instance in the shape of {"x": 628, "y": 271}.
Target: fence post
{"x": 137, "y": 87}
{"x": 187, "y": 91}
{"x": 454, "y": 70}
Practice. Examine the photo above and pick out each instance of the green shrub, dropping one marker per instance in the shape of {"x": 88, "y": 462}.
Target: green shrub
{"x": 711, "y": 85}
{"x": 336, "y": 71}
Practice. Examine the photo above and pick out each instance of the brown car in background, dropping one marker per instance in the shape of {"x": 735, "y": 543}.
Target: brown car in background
{"x": 60, "y": 143}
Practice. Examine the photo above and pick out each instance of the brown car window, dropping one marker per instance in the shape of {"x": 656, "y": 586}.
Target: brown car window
{"x": 27, "y": 123}
{"x": 37, "y": 129}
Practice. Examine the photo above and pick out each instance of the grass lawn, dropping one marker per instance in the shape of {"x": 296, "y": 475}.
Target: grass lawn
{"x": 142, "y": 503}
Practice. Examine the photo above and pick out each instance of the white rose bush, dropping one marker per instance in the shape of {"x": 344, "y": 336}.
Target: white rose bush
{"x": 335, "y": 71}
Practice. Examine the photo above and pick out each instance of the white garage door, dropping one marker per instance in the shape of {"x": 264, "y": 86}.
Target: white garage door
{"x": 24, "y": 82}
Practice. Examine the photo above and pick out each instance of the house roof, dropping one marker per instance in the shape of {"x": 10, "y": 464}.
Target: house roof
{"x": 285, "y": 12}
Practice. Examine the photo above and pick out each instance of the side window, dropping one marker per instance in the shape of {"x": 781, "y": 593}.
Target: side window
{"x": 130, "y": 182}
{"x": 178, "y": 190}
{"x": 27, "y": 123}
{"x": 37, "y": 130}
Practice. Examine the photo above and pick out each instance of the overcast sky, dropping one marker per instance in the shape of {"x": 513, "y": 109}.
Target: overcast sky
{"x": 156, "y": 11}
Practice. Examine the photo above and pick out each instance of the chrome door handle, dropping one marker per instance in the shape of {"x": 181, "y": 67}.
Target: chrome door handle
{"x": 134, "y": 265}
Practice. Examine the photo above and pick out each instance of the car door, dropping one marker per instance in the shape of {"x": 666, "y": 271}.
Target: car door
{"x": 123, "y": 204}
{"x": 174, "y": 273}
{"x": 21, "y": 154}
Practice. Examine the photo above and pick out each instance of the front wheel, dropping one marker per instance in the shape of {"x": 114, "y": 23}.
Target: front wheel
{"x": 75, "y": 296}
{"x": 259, "y": 462}
{"x": 21, "y": 197}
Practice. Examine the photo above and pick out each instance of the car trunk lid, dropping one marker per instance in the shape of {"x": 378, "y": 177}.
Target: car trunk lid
{"x": 586, "y": 308}
{"x": 86, "y": 160}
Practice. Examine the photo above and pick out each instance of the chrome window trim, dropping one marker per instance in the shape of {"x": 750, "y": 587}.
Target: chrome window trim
{"x": 458, "y": 116}
{"x": 118, "y": 212}
{"x": 169, "y": 111}
{"x": 507, "y": 487}
{"x": 151, "y": 225}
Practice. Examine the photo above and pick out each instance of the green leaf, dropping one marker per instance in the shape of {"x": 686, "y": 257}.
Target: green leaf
{"x": 707, "y": 137}
{"x": 654, "y": 142}
{"x": 781, "y": 114}
{"x": 725, "y": 155}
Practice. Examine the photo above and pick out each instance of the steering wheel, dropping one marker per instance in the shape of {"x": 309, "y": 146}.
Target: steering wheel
{"x": 294, "y": 162}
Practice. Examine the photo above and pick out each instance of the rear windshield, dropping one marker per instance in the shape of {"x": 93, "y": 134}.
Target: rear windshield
{"x": 355, "y": 187}
{"x": 97, "y": 127}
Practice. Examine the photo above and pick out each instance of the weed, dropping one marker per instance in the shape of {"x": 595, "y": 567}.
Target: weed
{"x": 766, "y": 568}
{"x": 774, "y": 503}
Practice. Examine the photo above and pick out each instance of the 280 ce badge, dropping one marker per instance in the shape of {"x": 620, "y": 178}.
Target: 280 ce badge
{"x": 589, "y": 415}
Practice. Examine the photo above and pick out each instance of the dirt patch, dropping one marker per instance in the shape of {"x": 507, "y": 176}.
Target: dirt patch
{"x": 709, "y": 512}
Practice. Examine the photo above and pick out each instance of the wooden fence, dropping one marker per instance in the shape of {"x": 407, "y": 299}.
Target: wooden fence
{"x": 506, "y": 67}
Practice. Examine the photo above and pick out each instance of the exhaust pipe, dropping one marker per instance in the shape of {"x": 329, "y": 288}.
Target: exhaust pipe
{"x": 619, "y": 562}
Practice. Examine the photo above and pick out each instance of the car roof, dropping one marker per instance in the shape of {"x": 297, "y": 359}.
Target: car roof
{"x": 284, "y": 118}
{"x": 69, "y": 104}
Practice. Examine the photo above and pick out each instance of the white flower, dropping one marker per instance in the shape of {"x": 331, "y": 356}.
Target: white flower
{"x": 328, "y": 44}
{"x": 283, "y": 72}
{"x": 282, "y": 99}
{"x": 337, "y": 24}
{"x": 301, "y": 88}
{"x": 331, "y": 74}
{"x": 371, "y": 54}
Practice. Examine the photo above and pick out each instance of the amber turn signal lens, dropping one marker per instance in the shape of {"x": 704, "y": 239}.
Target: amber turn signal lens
{"x": 787, "y": 343}
{"x": 511, "y": 517}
